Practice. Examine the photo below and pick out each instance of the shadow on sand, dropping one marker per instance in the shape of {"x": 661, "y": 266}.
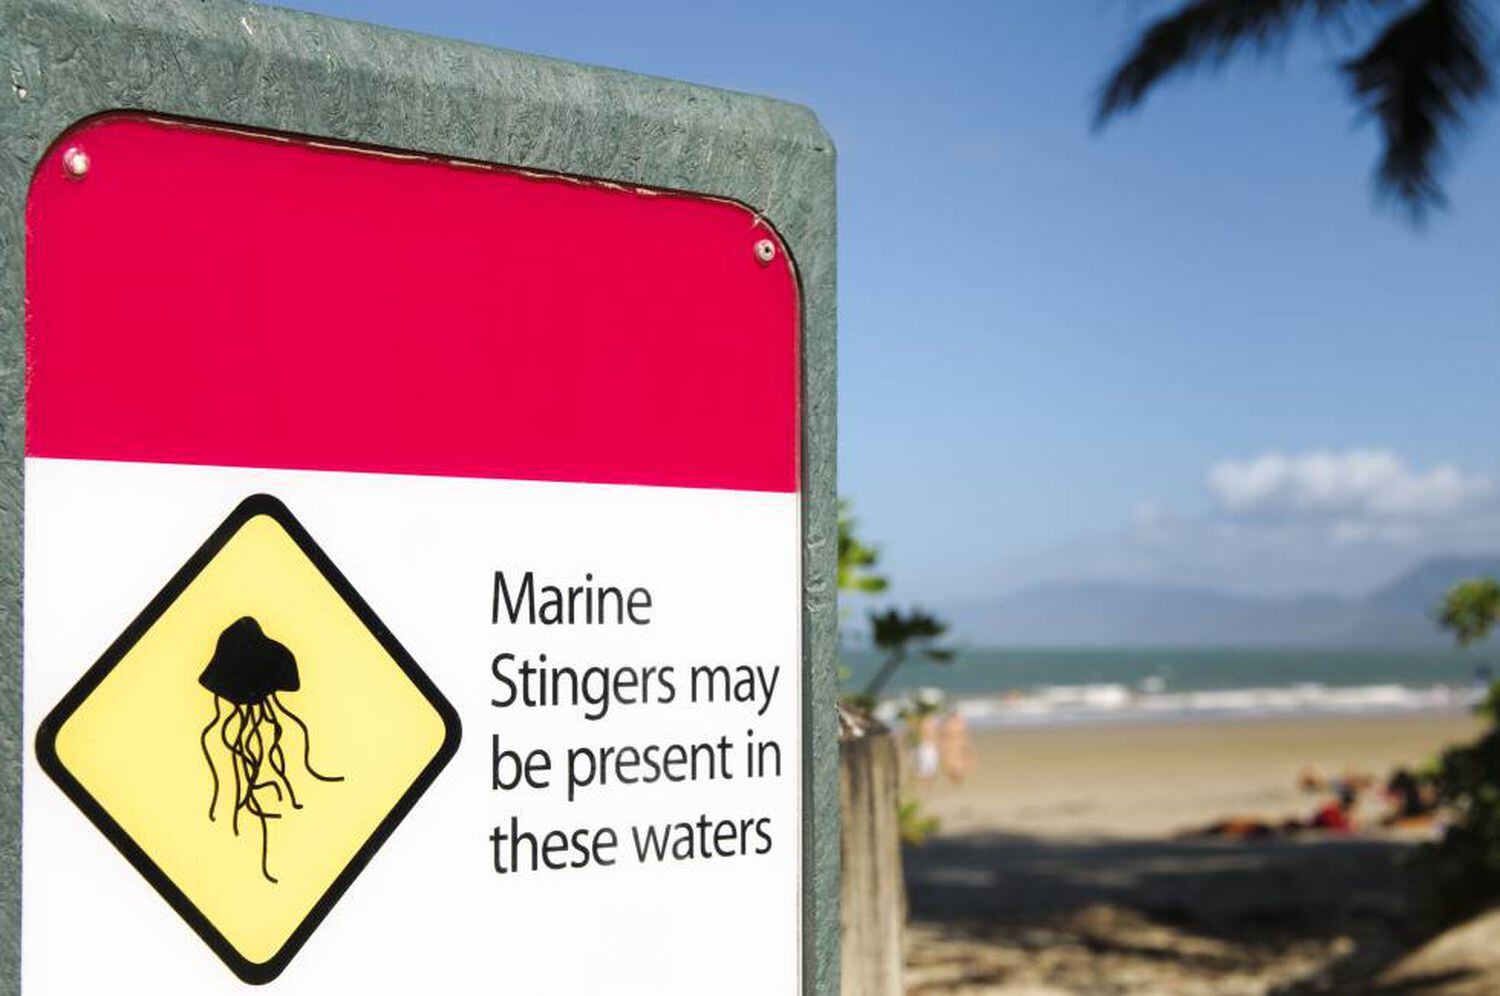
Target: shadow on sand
{"x": 1307, "y": 915}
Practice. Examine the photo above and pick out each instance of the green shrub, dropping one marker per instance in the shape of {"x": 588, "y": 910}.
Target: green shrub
{"x": 1466, "y": 862}
{"x": 915, "y": 826}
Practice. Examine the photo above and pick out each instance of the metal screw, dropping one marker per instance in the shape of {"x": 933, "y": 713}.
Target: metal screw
{"x": 76, "y": 162}
{"x": 765, "y": 251}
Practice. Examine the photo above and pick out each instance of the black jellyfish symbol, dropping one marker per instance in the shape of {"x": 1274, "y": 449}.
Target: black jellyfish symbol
{"x": 248, "y": 671}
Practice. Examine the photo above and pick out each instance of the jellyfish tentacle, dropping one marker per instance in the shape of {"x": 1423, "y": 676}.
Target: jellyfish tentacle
{"x": 253, "y": 805}
{"x": 203, "y": 742}
{"x": 265, "y": 847}
{"x": 247, "y": 767}
{"x": 277, "y": 756}
{"x": 273, "y": 786}
{"x": 306, "y": 741}
{"x": 278, "y": 764}
{"x": 231, "y": 744}
{"x": 254, "y": 808}
{"x": 254, "y": 749}
{"x": 251, "y": 752}
{"x": 242, "y": 747}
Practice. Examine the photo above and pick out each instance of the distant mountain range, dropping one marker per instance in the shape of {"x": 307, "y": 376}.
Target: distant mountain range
{"x": 1105, "y": 613}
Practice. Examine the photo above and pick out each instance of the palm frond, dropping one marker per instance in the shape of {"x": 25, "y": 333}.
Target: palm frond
{"x": 1417, "y": 79}
{"x": 1207, "y": 32}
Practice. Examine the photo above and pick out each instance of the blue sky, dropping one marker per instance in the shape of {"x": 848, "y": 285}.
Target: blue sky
{"x": 1189, "y": 349}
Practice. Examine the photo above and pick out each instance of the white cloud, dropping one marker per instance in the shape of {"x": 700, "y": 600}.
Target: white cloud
{"x": 1352, "y": 485}
{"x": 1321, "y": 521}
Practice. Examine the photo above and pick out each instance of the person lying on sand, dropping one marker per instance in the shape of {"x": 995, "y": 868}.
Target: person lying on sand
{"x": 1412, "y": 799}
{"x": 1335, "y": 816}
{"x": 1411, "y": 802}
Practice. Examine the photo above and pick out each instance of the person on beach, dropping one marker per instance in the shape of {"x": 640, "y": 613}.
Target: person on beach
{"x": 955, "y": 749}
{"x": 1335, "y": 816}
{"x": 925, "y": 754}
{"x": 1412, "y": 799}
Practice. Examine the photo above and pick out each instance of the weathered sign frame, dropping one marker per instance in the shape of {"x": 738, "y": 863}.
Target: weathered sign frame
{"x": 266, "y": 68}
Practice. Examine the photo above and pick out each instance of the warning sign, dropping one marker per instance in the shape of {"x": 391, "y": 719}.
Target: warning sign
{"x": 523, "y": 461}
{"x": 235, "y": 743}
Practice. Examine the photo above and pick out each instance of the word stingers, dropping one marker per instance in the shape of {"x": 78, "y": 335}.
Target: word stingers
{"x": 555, "y": 605}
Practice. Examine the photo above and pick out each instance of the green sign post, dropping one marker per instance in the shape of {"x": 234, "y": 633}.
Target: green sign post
{"x": 92, "y": 85}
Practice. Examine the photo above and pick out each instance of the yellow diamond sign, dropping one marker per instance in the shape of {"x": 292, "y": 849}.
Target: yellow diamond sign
{"x": 251, "y": 739}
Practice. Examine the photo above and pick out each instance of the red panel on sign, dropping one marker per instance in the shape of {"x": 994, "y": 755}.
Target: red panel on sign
{"x": 205, "y": 296}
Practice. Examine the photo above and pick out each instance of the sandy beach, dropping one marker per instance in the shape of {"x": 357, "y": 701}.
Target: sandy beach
{"x": 1155, "y": 779}
{"x": 1060, "y": 865}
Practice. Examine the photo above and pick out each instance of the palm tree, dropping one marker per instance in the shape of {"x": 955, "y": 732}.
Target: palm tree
{"x": 1425, "y": 66}
{"x": 898, "y": 635}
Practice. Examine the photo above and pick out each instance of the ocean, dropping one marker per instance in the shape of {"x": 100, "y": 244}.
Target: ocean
{"x": 1047, "y": 686}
